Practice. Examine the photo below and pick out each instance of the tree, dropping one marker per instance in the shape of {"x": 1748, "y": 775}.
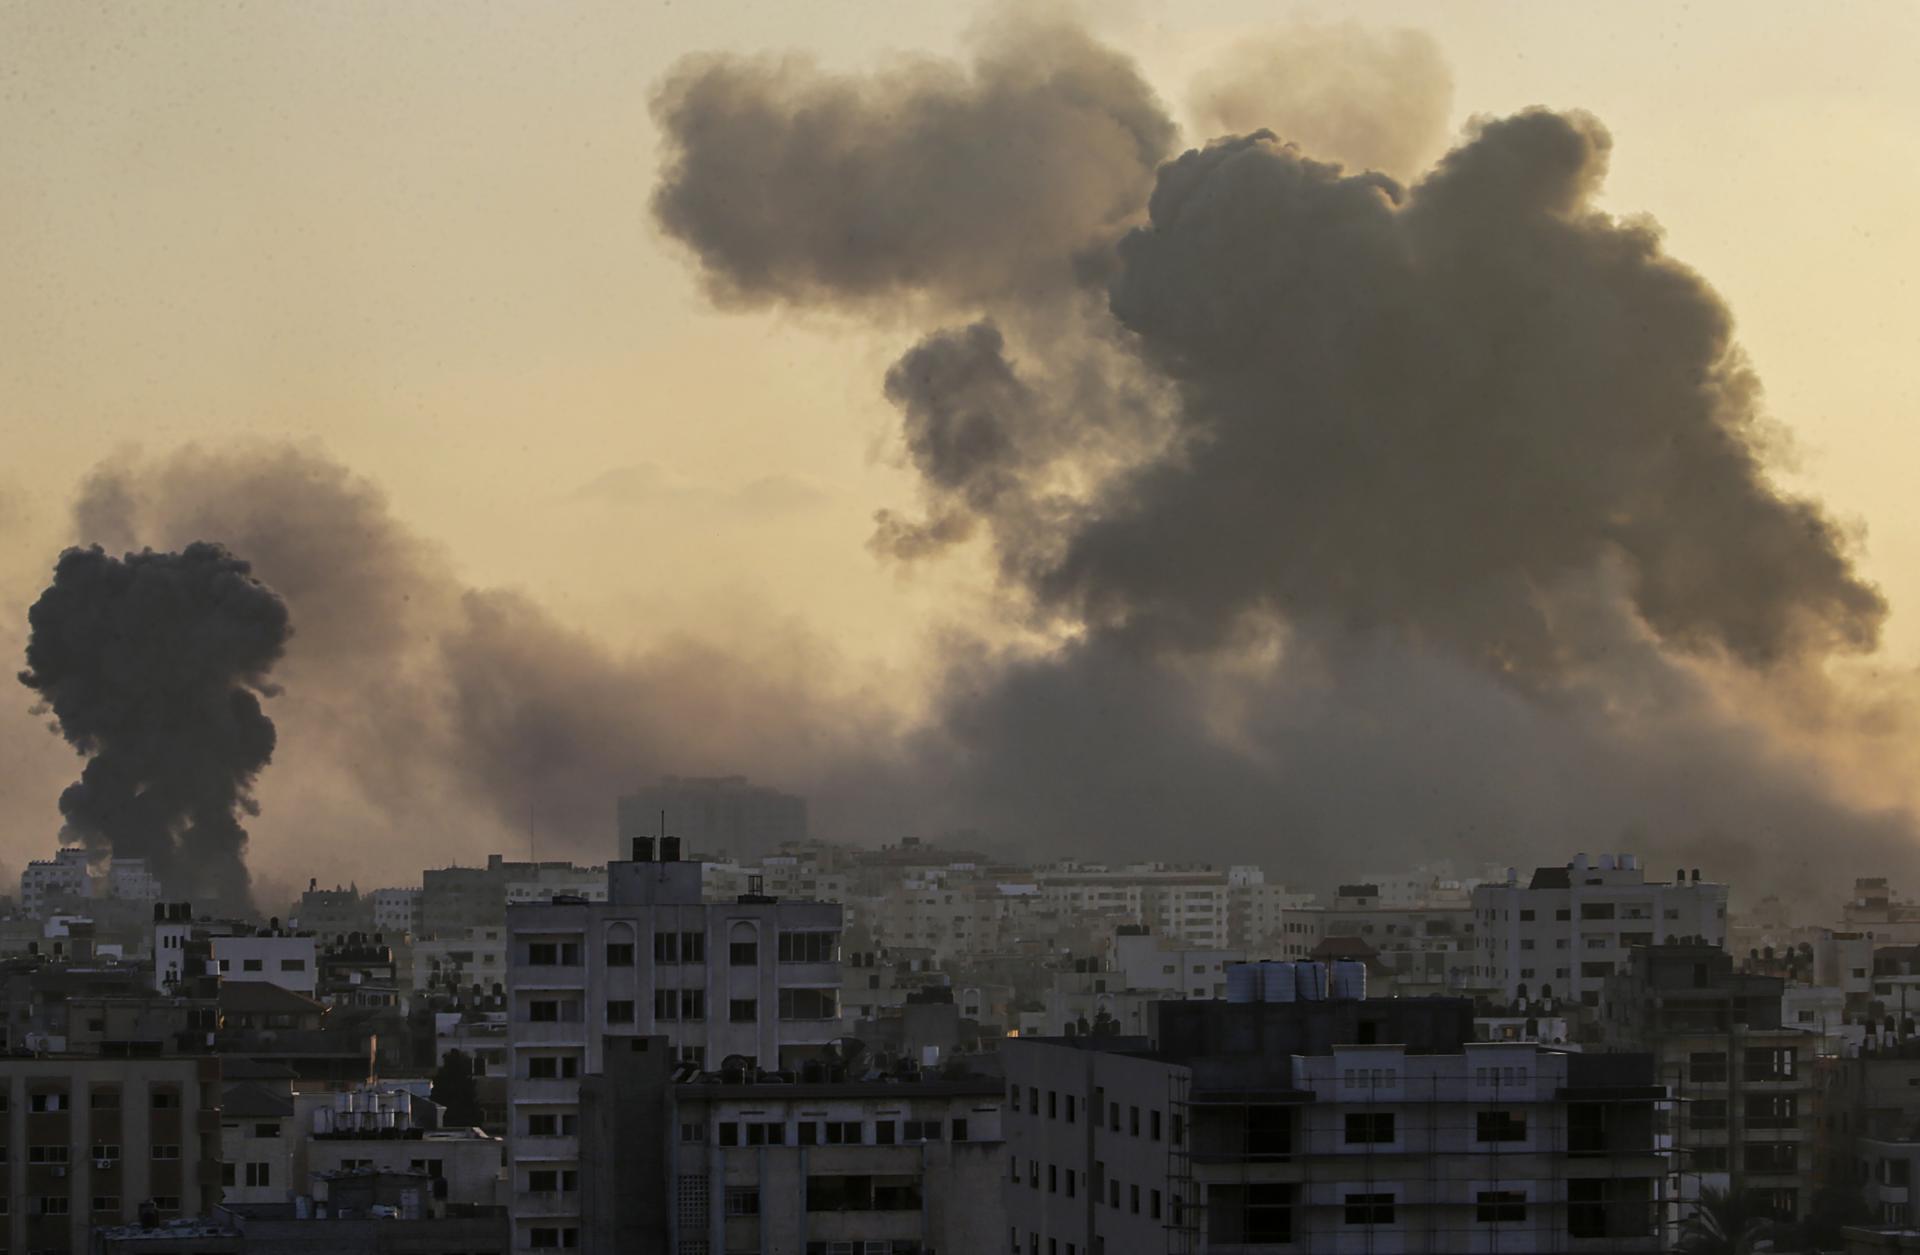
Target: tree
{"x": 1724, "y": 1223}
{"x": 455, "y": 1090}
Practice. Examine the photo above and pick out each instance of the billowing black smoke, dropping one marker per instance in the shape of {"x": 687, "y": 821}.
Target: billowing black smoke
{"x": 153, "y": 667}
{"x": 1372, "y": 515}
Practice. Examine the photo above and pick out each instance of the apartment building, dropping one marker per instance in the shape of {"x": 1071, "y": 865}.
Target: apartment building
{"x": 88, "y": 1140}
{"x": 282, "y": 959}
{"x": 756, "y": 979}
{"x": 904, "y": 1164}
{"x": 1744, "y": 1083}
{"x": 1327, "y": 1126}
{"x": 1560, "y": 935}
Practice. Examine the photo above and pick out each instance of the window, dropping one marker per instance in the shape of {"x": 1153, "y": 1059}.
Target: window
{"x": 1768, "y": 1063}
{"x": 1587, "y": 1208}
{"x": 922, "y": 1131}
{"x": 620, "y": 1011}
{"x": 1133, "y": 1121}
{"x": 809, "y": 1004}
{"x": 552, "y": 1067}
{"x": 693, "y": 947}
{"x": 619, "y": 954}
{"x": 437, "y": 1168}
{"x": 56, "y": 1100}
{"x": 162, "y": 1202}
{"x": 1369, "y": 1128}
{"x": 809, "y": 947}
{"x": 959, "y": 1129}
{"x": 841, "y": 1133}
{"x": 106, "y": 1202}
{"x": 1772, "y": 1111}
{"x": 666, "y": 1004}
{"x": 1266, "y": 1214}
{"x": 766, "y": 1133}
{"x": 1563, "y": 913}
{"x": 266, "y": 1130}
{"x": 743, "y": 1200}
{"x": 1526, "y": 914}
{"x": 293, "y": 965}
{"x": 729, "y": 1131}
{"x": 743, "y": 1010}
{"x": 250, "y": 965}
{"x": 1369, "y": 1208}
{"x": 1053, "y": 1104}
{"x": 1705, "y": 1067}
{"x": 885, "y": 1132}
{"x": 744, "y": 953}
{"x": 666, "y": 947}
{"x": 104, "y": 1151}
{"x": 1500, "y": 1126}
{"x": 48, "y": 1205}
{"x": 105, "y": 1097}
{"x": 1153, "y": 1205}
{"x": 1770, "y": 1157}
{"x": 1500, "y": 1207}
{"x": 1133, "y": 1199}
{"x": 48, "y": 1154}
{"x": 1153, "y": 1125}
{"x": 695, "y": 1132}
{"x": 553, "y": 954}
{"x": 259, "y": 1174}
{"x": 552, "y": 1124}
{"x": 165, "y": 1151}
{"x": 1596, "y": 910}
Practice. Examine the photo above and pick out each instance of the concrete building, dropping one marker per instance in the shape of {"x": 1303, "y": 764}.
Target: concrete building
{"x": 755, "y": 979}
{"x": 1561, "y": 934}
{"x": 712, "y": 815}
{"x": 1327, "y": 1126}
{"x": 396, "y": 912}
{"x": 1744, "y": 1083}
{"x": 281, "y": 959}
{"x": 88, "y": 1140}
{"x": 47, "y": 883}
{"x": 258, "y": 1144}
{"x": 901, "y": 1164}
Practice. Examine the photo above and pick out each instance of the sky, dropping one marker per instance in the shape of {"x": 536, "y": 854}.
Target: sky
{"x": 416, "y": 239}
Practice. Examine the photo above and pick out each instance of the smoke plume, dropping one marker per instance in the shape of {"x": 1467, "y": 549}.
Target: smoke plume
{"x": 434, "y": 720}
{"x": 1393, "y": 511}
{"x": 153, "y": 667}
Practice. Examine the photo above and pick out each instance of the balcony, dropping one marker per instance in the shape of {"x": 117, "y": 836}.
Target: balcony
{"x": 547, "y": 1091}
{"x": 546, "y": 1203}
{"x": 556, "y": 1149}
{"x": 550, "y": 1033}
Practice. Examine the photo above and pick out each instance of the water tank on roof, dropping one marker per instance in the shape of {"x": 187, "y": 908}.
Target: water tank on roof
{"x": 1243, "y": 982}
{"x": 1350, "y": 980}
{"x": 1310, "y": 981}
{"x": 1278, "y": 982}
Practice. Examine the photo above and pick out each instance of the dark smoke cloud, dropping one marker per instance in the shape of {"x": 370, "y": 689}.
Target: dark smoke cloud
{"x": 424, "y": 720}
{"x": 1391, "y": 514}
{"x": 153, "y": 667}
{"x": 1005, "y": 177}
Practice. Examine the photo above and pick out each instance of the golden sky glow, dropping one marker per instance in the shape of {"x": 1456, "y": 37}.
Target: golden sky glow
{"x": 416, "y": 236}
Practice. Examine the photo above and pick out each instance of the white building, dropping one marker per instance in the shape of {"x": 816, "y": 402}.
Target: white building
{"x": 278, "y": 959}
{"x": 396, "y": 912}
{"x": 48, "y": 881}
{"x": 756, "y": 978}
{"x": 1561, "y": 934}
{"x": 129, "y": 880}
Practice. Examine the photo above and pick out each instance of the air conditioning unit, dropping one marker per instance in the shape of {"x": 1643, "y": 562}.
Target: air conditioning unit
{"x": 104, "y": 1163}
{"x": 60, "y": 1170}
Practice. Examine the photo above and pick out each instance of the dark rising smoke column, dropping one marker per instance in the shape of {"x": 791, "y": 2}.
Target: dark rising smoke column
{"x": 153, "y": 667}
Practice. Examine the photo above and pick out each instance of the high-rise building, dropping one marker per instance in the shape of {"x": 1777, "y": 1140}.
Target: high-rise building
{"x": 755, "y": 981}
{"x": 1562, "y": 933}
{"x": 88, "y": 1140}
{"x": 711, "y": 814}
{"x": 1327, "y": 1125}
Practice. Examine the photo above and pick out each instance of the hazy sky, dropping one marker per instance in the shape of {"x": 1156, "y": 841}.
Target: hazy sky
{"x": 417, "y": 237}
